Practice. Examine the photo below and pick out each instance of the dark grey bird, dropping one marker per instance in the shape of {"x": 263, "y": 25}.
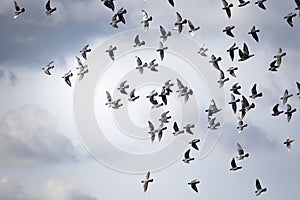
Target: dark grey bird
{"x": 212, "y": 124}
{"x": 260, "y": 4}
{"x": 161, "y": 49}
{"x": 273, "y": 66}
{"x": 160, "y": 130}
{"x": 289, "y": 112}
{"x": 231, "y": 51}
{"x": 85, "y": 50}
{"x": 146, "y": 181}
{"x": 123, "y": 86}
{"x": 254, "y": 32}
{"x": 152, "y": 131}
{"x": 243, "y": 3}
{"x": 153, "y": 66}
{"x": 137, "y": 42}
{"x": 244, "y": 55}
{"x": 179, "y": 23}
{"x": 235, "y": 88}
{"x": 202, "y": 51}
{"x": 140, "y": 65}
{"x": 276, "y": 112}
{"x": 241, "y": 152}
{"x": 48, "y": 67}
{"x": 109, "y": 4}
{"x": 232, "y": 70}
{"x": 214, "y": 60}
{"x": 164, "y": 118}
{"x": 289, "y": 18}
{"x": 183, "y": 91}
{"x": 228, "y": 30}
{"x": 288, "y": 143}
{"x": 212, "y": 109}
{"x": 241, "y": 125}
{"x": 298, "y": 6}
{"x": 152, "y": 98}
{"x": 167, "y": 87}
{"x": 164, "y": 34}
{"x": 259, "y": 189}
{"x": 18, "y": 10}
{"x": 187, "y": 159}
{"x": 194, "y": 142}
{"x": 82, "y": 69}
{"x": 285, "y": 96}
{"x": 110, "y": 51}
{"x": 233, "y": 102}
{"x": 298, "y": 88}
{"x": 193, "y": 29}
{"x": 120, "y": 15}
{"x": 112, "y": 103}
{"x": 254, "y": 93}
{"x": 176, "y": 129}
{"x": 171, "y": 2}
{"x": 67, "y": 76}
{"x": 188, "y": 128}
{"x": 132, "y": 96}
{"x": 226, "y": 7}
{"x": 49, "y": 10}
{"x": 234, "y": 167}
{"x": 279, "y": 56}
{"x": 163, "y": 98}
{"x": 193, "y": 184}
{"x": 146, "y": 20}
{"x": 222, "y": 79}
{"x": 114, "y": 21}
{"x": 246, "y": 106}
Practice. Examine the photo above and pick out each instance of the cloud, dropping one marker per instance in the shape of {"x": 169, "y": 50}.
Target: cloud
{"x": 11, "y": 190}
{"x": 28, "y": 136}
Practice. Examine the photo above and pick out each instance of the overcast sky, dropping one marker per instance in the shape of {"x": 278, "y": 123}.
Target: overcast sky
{"x": 41, "y": 153}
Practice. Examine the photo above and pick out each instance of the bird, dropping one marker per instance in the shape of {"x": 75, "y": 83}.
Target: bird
{"x": 18, "y": 10}
{"x": 112, "y": 103}
{"x": 246, "y": 106}
{"x": 123, "y": 86}
{"x": 140, "y": 65}
{"x": 212, "y": 124}
{"x": 146, "y": 181}
{"x": 202, "y": 51}
{"x": 279, "y": 56}
{"x": 259, "y": 189}
{"x": 80, "y": 67}
{"x": 183, "y": 91}
{"x": 228, "y": 30}
{"x": 276, "y": 112}
{"x": 273, "y": 66}
{"x": 288, "y": 143}
{"x": 289, "y": 112}
{"x": 120, "y": 14}
{"x": 254, "y": 93}
{"x": 232, "y": 70}
{"x": 109, "y": 4}
{"x": 84, "y": 50}
{"x": 82, "y": 73}
{"x": 176, "y": 129}
{"x": 289, "y": 18}
{"x": 146, "y": 20}
{"x": 194, "y": 142}
{"x": 160, "y": 130}
{"x": 49, "y": 10}
{"x": 235, "y": 88}
{"x": 161, "y": 49}
{"x": 231, "y": 51}
{"x": 132, "y": 96}
{"x": 243, "y": 3}
{"x": 164, "y": 118}
{"x": 110, "y": 51}
{"x": 298, "y": 87}
{"x": 241, "y": 125}
{"x": 241, "y": 153}
{"x": 188, "y": 128}
{"x": 234, "y": 167}
{"x": 214, "y": 60}
{"x": 137, "y": 42}
{"x": 151, "y": 131}
{"x": 179, "y": 23}
{"x": 48, "y": 67}
{"x": 171, "y": 2}
{"x": 285, "y": 96}
{"x": 152, "y": 65}
{"x": 222, "y": 79}
{"x": 260, "y": 4}
{"x": 167, "y": 87}
{"x": 114, "y": 21}
{"x": 233, "y": 103}
{"x": 244, "y": 55}
{"x": 193, "y": 184}
{"x": 152, "y": 99}
{"x": 226, "y": 7}
{"x": 163, "y": 97}
{"x": 164, "y": 34}
{"x": 254, "y": 32}
{"x": 212, "y": 109}
{"x": 187, "y": 159}
{"x": 298, "y": 6}
{"x": 193, "y": 29}
{"x": 67, "y": 76}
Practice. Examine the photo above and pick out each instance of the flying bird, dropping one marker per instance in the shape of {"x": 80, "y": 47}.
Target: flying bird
{"x": 288, "y": 143}
{"x": 160, "y": 130}
{"x": 188, "y": 128}
{"x": 151, "y": 131}
{"x": 289, "y": 18}
{"x": 179, "y": 23}
{"x": 298, "y": 87}
{"x": 273, "y": 66}
{"x": 285, "y": 96}
{"x": 246, "y": 106}
{"x": 232, "y": 70}
{"x": 234, "y": 167}
{"x": 109, "y": 4}
{"x": 241, "y": 153}
{"x": 193, "y": 29}
{"x": 260, "y": 4}
{"x": 244, "y": 54}
{"x": 146, "y": 20}
{"x": 276, "y": 112}
{"x": 164, "y": 34}
{"x": 235, "y": 88}
{"x": 187, "y": 159}
{"x": 193, "y": 184}
{"x": 85, "y": 50}
{"x": 233, "y": 103}
{"x": 241, "y": 125}
{"x": 176, "y": 129}
{"x": 137, "y": 42}
{"x": 132, "y": 96}
{"x": 171, "y": 2}
{"x": 215, "y": 61}
{"x": 152, "y": 65}
{"x": 112, "y": 103}
{"x": 146, "y": 181}
{"x": 289, "y": 112}
{"x": 212, "y": 125}
{"x": 18, "y": 10}
{"x": 161, "y": 50}
{"x": 212, "y": 109}
{"x": 152, "y": 99}
{"x": 226, "y": 7}
{"x": 194, "y": 142}
{"x": 254, "y": 32}
{"x": 279, "y": 56}
{"x": 243, "y": 3}
{"x": 222, "y": 79}
{"x": 228, "y": 30}
{"x": 202, "y": 51}
{"x": 140, "y": 65}
{"x": 298, "y": 6}
{"x": 81, "y": 73}
{"x": 259, "y": 189}
{"x": 123, "y": 86}
{"x": 67, "y": 76}
{"x": 49, "y": 10}
{"x": 254, "y": 93}
{"x": 110, "y": 51}
{"x": 48, "y": 67}
{"x": 231, "y": 51}
{"x": 164, "y": 118}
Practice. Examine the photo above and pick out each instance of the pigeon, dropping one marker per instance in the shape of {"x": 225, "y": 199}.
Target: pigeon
{"x": 187, "y": 159}
{"x": 114, "y": 21}
{"x": 289, "y": 18}
{"x": 228, "y": 30}
{"x": 259, "y": 189}
{"x": 244, "y": 55}
{"x": 188, "y": 128}
{"x": 233, "y": 103}
{"x": 254, "y": 93}
{"x": 193, "y": 184}
{"x": 279, "y": 56}
{"x": 132, "y": 96}
{"x": 179, "y": 23}
{"x": 137, "y": 42}
{"x": 288, "y": 143}
{"x": 67, "y": 76}
{"x": 110, "y": 51}
{"x": 232, "y": 70}
{"x": 194, "y": 142}
{"x": 167, "y": 87}
{"x": 212, "y": 109}
{"x": 176, "y": 129}
{"x": 147, "y": 181}
{"x": 222, "y": 79}
{"x": 160, "y": 130}
{"x": 146, "y": 20}
{"x": 116, "y": 104}
{"x": 171, "y": 2}
{"x": 243, "y": 3}
{"x": 123, "y": 86}
{"x": 285, "y": 96}
{"x": 84, "y": 50}
{"x": 193, "y": 29}
{"x": 164, "y": 34}
{"x": 231, "y": 51}
{"x": 48, "y": 67}
{"x": 254, "y": 32}
{"x": 241, "y": 152}
{"x": 120, "y": 15}
{"x": 241, "y": 125}
{"x": 298, "y": 6}
{"x": 214, "y": 60}
{"x": 273, "y": 66}
{"x": 152, "y": 65}
{"x": 80, "y": 67}
{"x": 202, "y": 51}
{"x": 110, "y": 103}
{"x": 49, "y": 10}
{"x": 183, "y": 91}
{"x": 140, "y": 64}
{"x": 163, "y": 98}
{"x": 227, "y": 7}
{"x": 18, "y": 10}
{"x": 298, "y": 87}
{"x": 109, "y": 4}
{"x": 234, "y": 167}
{"x": 161, "y": 50}
{"x": 276, "y": 112}
{"x": 235, "y": 87}
{"x": 164, "y": 118}
{"x": 213, "y": 125}
{"x": 152, "y": 99}
{"x": 260, "y": 4}
{"x": 246, "y": 106}
{"x": 289, "y": 112}
{"x": 151, "y": 131}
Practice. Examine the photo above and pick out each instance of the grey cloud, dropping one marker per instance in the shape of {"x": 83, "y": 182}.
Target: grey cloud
{"x": 11, "y": 190}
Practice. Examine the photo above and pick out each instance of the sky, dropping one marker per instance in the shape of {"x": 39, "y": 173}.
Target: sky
{"x": 49, "y": 149}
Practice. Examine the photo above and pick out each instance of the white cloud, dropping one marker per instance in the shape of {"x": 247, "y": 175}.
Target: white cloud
{"x": 11, "y": 190}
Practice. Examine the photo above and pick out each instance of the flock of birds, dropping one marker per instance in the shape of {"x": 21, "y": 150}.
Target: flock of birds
{"x": 159, "y": 99}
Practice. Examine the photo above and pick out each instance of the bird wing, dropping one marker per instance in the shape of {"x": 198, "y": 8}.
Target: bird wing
{"x": 131, "y": 94}
{"x": 253, "y": 90}
{"x": 191, "y": 25}
{"x": 179, "y": 18}
{"x": 225, "y": 3}
{"x": 233, "y": 164}
{"x": 297, "y": 3}
{"x": 138, "y": 61}
{"x": 48, "y": 7}
{"x": 145, "y": 15}
{"x": 193, "y": 185}
{"x": 180, "y": 85}
{"x": 187, "y": 154}
{"x": 240, "y": 149}
{"x": 108, "y": 96}
{"x": 258, "y": 186}
{"x": 162, "y": 30}
{"x": 245, "y": 49}
{"x": 148, "y": 175}
{"x": 17, "y": 7}
{"x": 137, "y": 39}
{"x": 171, "y": 2}
{"x": 175, "y": 127}
{"x": 151, "y": 126}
